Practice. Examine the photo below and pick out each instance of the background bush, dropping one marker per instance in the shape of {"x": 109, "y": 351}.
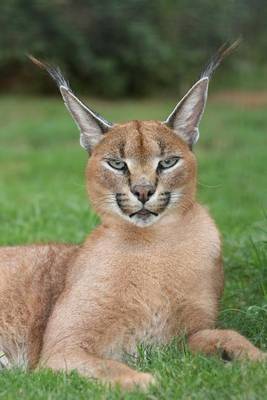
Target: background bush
{"x": 130, "y": 47}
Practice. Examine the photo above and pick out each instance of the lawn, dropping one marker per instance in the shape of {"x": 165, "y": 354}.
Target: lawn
{"x": 42, "y": 199}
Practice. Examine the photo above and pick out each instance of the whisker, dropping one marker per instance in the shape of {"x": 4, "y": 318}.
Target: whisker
{"x": 209, "y": 186}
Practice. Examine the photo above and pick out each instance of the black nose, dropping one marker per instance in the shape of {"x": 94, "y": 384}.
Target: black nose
{"x": 143, "y": 192}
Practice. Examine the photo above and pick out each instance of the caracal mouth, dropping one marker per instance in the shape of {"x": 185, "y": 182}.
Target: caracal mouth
{"x": 144, "y": 214}
{"x": 144, "y": 217}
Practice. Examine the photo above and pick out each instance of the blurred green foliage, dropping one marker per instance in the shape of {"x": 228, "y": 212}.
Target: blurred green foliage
{"x": 130, "y": 47}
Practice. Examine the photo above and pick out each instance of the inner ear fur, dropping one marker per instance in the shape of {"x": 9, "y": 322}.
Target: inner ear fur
{"x": 92, "y": 127}
{"x": 185, "y": 117}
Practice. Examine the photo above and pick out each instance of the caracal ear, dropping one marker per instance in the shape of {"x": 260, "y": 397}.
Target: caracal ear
{"x": 185, "y": 117}
{"x": 91, "y": 125}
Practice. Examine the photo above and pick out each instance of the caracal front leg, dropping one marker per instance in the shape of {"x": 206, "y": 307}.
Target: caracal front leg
{"x": 107, "y": 371}
{"x": 229, "y": 343}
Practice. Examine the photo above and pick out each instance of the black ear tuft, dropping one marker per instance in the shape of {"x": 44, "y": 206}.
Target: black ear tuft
{"x": 54, "y": 72}
{"x": 91, "y": 125}
{"x": 185, "y": 117}
{"x": 218, "y": 57}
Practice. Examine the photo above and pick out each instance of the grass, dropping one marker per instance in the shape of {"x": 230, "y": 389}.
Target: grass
{"x": 42, "y": 198}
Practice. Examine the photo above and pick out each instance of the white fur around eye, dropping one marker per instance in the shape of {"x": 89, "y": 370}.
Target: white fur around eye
{"x": 177, "y": 165}
{"x": 117, "y": 164}
{"x": 115, "y": 171}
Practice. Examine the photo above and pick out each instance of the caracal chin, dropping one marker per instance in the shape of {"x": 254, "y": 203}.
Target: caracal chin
{"x": 151, "y": 271}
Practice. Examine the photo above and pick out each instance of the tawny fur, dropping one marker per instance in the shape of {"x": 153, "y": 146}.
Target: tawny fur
{"x": 84, "y": 308}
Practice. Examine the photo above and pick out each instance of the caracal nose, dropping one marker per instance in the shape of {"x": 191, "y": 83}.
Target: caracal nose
{"x": 143, "y": 192}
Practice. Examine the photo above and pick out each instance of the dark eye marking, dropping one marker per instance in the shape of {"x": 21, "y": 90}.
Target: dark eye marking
{"x": 161, "y": 146}
{"x": 121, "y": 150}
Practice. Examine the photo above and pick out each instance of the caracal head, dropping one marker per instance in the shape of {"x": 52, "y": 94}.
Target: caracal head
{"x": 141, "y": 171}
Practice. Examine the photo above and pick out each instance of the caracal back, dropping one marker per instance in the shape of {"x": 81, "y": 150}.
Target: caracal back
{"x": 30, "y": 280}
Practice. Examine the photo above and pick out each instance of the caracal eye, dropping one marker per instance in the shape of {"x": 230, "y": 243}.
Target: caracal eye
{"x": 117, "y": 164}
{"x": 168, "y": 162}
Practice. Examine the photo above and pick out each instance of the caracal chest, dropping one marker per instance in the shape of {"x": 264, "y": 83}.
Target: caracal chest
{"x": 147, "y": 286}
{"x": 162, "y": 266}
{"x": 169, "y": 264}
